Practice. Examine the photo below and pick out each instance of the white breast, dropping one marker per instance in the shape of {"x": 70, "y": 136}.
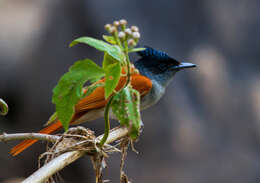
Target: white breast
{"x": 153, "y": 96}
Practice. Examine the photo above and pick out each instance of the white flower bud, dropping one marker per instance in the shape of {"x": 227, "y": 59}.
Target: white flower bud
{"x": 112, "y": 30}
{"x": 107, "y": 26}
{"x": 131, "y": 42}
{"x": 123, "y": 22}
{"x": 116, "y": 23}
{"x": 136, "y": 35}
{"x": 121, "y": 35}
{"x": 134, "y": 28}
{"x": 128, "y": 31}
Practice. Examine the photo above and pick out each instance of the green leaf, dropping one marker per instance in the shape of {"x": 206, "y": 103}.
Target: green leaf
{"x": 126, "y": 107}
{"x": 134, "y": 113}
{"x": 69, "y": 88}
{"x": 118, "y": 107}
{"x": 53, "y": 118}
{"x": 112, "y": 50}
{"x": 91, "y": 88}
{"x": 113, "y": 70}
{"x": 109, "y": 39}
{"x": 94, "y": 80}
{"x": 112, "y": 77}
{"x": 136, "y": 49}
{"x": 107, "y": 60}
{"x": 3, "y": 107}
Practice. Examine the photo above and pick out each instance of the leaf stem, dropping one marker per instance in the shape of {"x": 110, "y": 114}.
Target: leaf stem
{"x": 107, "y": 123}
{"x": 127, "y": 63}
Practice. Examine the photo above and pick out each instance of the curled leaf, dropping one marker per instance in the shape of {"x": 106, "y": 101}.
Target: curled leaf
{"x": 3, "y": 107}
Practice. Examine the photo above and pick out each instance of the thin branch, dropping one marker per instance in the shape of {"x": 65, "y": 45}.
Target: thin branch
{"x": 22, "y": 136}
{"x": 42, "y": 174}
{"x": 67, "y": 158}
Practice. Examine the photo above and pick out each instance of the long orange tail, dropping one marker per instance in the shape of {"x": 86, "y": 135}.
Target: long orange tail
{"x": 27, "y": 143}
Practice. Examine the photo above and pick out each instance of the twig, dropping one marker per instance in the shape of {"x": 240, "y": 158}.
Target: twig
{"x": 22, "y": 136}
{"x": 67, "y": 158}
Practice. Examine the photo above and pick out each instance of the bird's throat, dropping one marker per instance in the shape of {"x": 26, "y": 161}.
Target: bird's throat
{"x": 153, "y": 96}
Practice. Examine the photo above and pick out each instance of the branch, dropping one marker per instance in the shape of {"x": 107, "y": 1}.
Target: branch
{"x": 67, "y": 158}
{"x": 22, "y": 136}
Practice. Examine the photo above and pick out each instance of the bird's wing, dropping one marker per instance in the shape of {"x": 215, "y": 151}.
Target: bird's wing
{"x": 95, "y": 100}
{"x": 141, "y": 83}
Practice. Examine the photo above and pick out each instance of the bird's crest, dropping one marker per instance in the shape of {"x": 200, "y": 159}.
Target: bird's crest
{"x": 150, "y": 53}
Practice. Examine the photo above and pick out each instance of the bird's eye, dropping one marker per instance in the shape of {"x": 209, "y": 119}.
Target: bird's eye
{"x": 163, "y": 67}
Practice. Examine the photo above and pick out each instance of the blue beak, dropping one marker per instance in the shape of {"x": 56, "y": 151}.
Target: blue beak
{"x": 184, "y": 65}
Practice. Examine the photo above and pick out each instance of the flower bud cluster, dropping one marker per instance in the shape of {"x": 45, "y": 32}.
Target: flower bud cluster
{"x": 125, "y": 34}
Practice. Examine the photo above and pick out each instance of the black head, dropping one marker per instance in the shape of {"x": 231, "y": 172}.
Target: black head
{"x": 160, "y": 62}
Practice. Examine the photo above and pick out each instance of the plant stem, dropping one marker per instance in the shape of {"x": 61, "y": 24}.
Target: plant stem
{"x": 118, "y": 42}
{"x": 128, "y": 63}
{"x": 107, "y": 123}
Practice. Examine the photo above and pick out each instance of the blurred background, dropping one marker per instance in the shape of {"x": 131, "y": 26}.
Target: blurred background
{"x": 207, "y": 126}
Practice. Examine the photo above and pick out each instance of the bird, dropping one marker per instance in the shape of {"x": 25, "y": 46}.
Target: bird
{"x": 156, "y": 70}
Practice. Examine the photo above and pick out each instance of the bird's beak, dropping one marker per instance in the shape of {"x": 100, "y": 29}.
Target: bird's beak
{"x": 184, "y": 65}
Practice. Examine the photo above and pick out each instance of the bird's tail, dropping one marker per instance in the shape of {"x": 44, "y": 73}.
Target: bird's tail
{"x": 27, "y": 143}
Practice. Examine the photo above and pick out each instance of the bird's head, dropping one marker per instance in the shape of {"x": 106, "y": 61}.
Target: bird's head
{"x": 157, "y": 65}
